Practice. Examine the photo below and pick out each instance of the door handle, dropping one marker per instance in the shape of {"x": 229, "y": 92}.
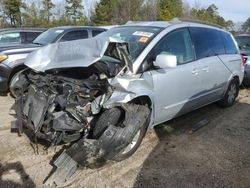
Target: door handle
{"x": 205, "y": 69}
{"x": 195, "y": 71}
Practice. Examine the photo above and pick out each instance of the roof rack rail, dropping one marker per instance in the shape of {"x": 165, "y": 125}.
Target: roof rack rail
{"x": 175, "y": 20}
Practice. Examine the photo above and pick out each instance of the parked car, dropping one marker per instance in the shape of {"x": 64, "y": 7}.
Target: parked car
{"x": 243, "y": 41}
{"x": 19, "y": 36}
{"x": 102, "y": 94}
{"x": 12, "y": 57}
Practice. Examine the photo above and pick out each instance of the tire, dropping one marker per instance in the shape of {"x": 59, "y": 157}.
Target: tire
{"x": 109, "y": 117}
{"x": 124, "y": 122}
{"x": 11, "y": 88}
{"x": 231, "y": 94}
{"x": 127, "y": 152}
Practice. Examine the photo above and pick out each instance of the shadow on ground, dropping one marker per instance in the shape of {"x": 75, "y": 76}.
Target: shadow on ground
{"x": 13, "y": 175}
{"x": 217, "y": 155}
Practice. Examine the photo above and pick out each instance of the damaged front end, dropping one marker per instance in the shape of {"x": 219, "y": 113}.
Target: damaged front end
{"x": 67, "y": 105}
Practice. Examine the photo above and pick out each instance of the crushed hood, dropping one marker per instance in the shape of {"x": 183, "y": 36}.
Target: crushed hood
{"x": 78, "y": 53}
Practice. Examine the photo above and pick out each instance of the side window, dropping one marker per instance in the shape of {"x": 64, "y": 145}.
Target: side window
{"x": 96, "y": 32}
{"x": 229, "y": 44}
{"x": 177, "y": 43}
{"x": 207, "y": 42}
{"x": 75, "y": 35}
{"x": 30, "y": 36}
{"x": 10, "y": 38}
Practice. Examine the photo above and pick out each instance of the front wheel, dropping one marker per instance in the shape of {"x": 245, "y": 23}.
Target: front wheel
{"x": 12, "y": 87}
{"x": 133, "y": 145}
{"x": 231, "y": 94}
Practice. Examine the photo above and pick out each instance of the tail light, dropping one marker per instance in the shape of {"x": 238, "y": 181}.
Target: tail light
{"x": 243, "y": 59}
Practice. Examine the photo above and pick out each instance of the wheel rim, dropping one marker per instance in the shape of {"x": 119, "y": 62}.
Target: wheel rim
{"x": 132, "y": 143}
{"x": 232, "y": 93}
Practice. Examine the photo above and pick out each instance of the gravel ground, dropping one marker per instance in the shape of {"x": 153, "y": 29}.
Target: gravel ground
{"x": 217, "y": 155}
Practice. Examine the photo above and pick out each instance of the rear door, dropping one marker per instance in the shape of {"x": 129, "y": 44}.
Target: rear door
{"x": 214, "y": 74}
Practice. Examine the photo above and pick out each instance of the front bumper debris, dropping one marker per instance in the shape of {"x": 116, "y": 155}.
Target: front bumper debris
{"x": 92, "y": 153}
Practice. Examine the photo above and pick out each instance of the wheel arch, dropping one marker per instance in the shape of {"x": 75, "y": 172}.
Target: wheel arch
{"x": 15, "y": 70}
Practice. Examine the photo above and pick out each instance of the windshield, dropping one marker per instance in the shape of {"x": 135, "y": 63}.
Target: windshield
{"x": 244, "y": 43}
{"x": 48, "y": 36}
{"x": 137, "y": 37}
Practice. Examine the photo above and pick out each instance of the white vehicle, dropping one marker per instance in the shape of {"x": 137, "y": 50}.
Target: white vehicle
{"x": 102, "y": 94}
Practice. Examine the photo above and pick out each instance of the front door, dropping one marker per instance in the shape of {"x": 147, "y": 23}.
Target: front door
{"x": 176, "y": 89}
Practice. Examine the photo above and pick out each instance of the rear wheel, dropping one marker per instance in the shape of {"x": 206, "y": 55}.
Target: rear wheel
{"x": 231, "y": 94}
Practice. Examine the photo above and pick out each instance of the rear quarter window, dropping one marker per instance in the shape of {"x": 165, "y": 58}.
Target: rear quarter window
{"x": 229, "y": 44}
{"x": 208, "y": 42}
{"x": 75, "y": 35}
{"x": 30, "y": 36}
{"x": 96, "y": 32}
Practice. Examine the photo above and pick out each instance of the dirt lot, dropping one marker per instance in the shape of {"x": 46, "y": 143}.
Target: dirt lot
{"x": 217, "y": 155}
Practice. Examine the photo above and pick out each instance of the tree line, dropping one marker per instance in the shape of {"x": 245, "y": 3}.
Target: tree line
{"x": 48, "y": 13}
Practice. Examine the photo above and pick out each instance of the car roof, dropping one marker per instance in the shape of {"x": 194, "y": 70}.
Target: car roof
{"x": 243, "y": 35}
{"x": 23, "y": 29}
{"x": 77, "y": 27}
{"x": 162, "y": 24}
{"x": 174, "y": 21}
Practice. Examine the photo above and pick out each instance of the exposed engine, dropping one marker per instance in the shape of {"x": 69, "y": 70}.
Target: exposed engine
{"x": 60, "y": 105}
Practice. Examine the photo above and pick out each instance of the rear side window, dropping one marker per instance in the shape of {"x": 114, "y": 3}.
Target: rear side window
{"x": 229, "y": 44}
{"x": 243, "y": 42}
{"x": 96, "y": 32}
{"x": 30, "y": 36}
{"x": 75, "y": 35}
{"x": 14, "y": 37}
{"x": 177, "y": 43}
{"x": 207, "y": 42}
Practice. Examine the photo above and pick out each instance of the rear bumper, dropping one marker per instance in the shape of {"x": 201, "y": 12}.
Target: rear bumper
{"x": 5, "y": 72}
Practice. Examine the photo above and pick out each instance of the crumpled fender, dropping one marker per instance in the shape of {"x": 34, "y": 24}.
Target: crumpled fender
{"x": 129, "y": 87}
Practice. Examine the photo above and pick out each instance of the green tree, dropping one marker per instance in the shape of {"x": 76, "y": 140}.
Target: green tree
{"x": 211, "y": 15}
{"x": 104, "y": 12}
{"x": 168, "y": 9}
{"x": 31, "y": 16}
{"x": 119, "y": 11}
{"x": 47, "y": 7}
{"x": 12, "y": 10}
{"x": 149, "y": 10}
{"x": 128, "y": 10}
{"x": 246, "y": 26}
{"x": 74, "y": 10}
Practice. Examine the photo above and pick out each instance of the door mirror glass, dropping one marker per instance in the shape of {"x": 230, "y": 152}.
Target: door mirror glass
{"x": 165, "y": 61}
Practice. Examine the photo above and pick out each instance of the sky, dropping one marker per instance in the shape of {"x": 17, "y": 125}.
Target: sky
{"x": 235, "y": 10}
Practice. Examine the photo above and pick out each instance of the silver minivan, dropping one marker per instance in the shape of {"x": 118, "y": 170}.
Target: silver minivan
{"x": 100, "y": 95}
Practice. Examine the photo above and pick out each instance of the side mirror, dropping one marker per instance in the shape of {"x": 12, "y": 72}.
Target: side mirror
{"x": 166, "y": 61}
